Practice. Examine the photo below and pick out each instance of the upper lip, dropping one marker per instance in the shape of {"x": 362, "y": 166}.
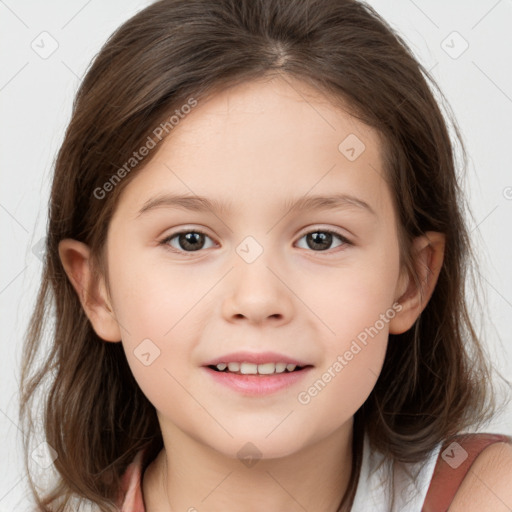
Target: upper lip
{"x": 256, "y": 358}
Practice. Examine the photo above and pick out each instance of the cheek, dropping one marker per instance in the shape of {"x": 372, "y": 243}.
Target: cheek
{"x": 339, "y": 389}
{"x": 153, "y": 299}
{"x": 153, "y": 307}
{"x": 354, "y": 352}
{"x": 354, "y": 295}
{"x": 355, "y": 304}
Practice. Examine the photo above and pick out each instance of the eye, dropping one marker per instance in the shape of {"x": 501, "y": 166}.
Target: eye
{"x": 193, "y": 240}
{"x": 321, "y": 239}
{"x": 188, "y": 241}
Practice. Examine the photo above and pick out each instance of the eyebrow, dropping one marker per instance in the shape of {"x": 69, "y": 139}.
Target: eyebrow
{"x": 203, "y": 204}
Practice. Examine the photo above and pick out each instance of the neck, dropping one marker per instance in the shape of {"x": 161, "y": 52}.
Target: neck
{"x": 187, "y": 475}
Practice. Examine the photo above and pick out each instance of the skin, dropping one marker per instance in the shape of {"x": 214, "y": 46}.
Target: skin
{"x": 255, "y": 146}
{"x": 487, "y": 484}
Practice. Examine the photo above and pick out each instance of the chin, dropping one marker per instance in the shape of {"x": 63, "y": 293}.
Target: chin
{"x": 251, "y": 445}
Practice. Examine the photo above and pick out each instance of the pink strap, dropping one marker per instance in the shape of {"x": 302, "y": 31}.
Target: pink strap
{"x": 130, "y": 497}
{"x": 453, "y": 463}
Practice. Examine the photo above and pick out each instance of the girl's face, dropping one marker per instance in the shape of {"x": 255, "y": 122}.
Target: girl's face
{"x": 316, "y": 284}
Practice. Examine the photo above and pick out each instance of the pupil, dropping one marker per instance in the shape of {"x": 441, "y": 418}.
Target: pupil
{"x": 191, "y": 240}
{"x": 319, "y": 240}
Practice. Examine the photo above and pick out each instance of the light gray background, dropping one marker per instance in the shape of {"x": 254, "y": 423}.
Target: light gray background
{"x": 35, "y": 104}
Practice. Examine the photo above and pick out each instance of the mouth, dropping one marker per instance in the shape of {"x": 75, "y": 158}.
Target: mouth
{"x": 257, "y": 379}
{"x": 257, "y": 373}
{"x": 266, "y": 369}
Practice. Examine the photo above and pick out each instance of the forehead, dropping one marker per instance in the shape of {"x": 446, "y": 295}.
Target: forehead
{"x": 265, "y": 140}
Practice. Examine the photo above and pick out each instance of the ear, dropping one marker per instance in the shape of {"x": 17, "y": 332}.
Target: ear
{"x": 75, "y": 258}
{"x": 428, "y": 254}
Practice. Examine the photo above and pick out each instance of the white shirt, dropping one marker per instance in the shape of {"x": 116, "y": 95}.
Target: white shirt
{"x": 374, "y": 491}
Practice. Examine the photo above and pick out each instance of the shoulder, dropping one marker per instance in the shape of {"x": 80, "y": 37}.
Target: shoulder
{"x": 487, "y": 485}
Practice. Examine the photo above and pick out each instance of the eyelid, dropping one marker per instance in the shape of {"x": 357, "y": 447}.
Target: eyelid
{"x": 181, "y": 231}
{"x": 323, "y": 229}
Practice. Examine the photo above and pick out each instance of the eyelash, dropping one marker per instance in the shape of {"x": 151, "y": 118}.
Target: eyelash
{"x": 166, "y": 240}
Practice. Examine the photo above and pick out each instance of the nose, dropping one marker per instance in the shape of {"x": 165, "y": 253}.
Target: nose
{"x": 256, "y": 293}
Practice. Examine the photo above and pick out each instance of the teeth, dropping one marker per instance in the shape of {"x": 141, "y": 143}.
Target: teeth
{"x": 267, "y": 368}
{"x": 256, "y": 369}
{"x": 280, "y": 367}
{"x": 248, "y": 369}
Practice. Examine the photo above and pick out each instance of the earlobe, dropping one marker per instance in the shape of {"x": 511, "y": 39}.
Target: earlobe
{"x": 77, "y": 263}
{"x": 428, "y": 253}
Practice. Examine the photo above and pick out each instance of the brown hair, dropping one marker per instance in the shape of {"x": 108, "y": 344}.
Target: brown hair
{"x": 433, "y": 382}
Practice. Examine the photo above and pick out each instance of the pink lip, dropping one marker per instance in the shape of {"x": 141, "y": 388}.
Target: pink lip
{"x": 258, "y": 384}
{"x": 255, "y": 358}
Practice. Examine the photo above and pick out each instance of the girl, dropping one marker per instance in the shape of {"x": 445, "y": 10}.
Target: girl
{"x": 256, "y": 256}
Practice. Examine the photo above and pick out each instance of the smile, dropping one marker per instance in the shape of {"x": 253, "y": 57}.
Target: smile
{"x": 255, "y": 369}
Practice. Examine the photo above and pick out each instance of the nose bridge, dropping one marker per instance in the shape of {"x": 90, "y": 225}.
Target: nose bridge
{"x": 255, "y": 292}
{"x": 253, "y": 263}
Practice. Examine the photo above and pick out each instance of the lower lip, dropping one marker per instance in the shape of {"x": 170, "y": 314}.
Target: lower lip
{"x": 258, "y": 384}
